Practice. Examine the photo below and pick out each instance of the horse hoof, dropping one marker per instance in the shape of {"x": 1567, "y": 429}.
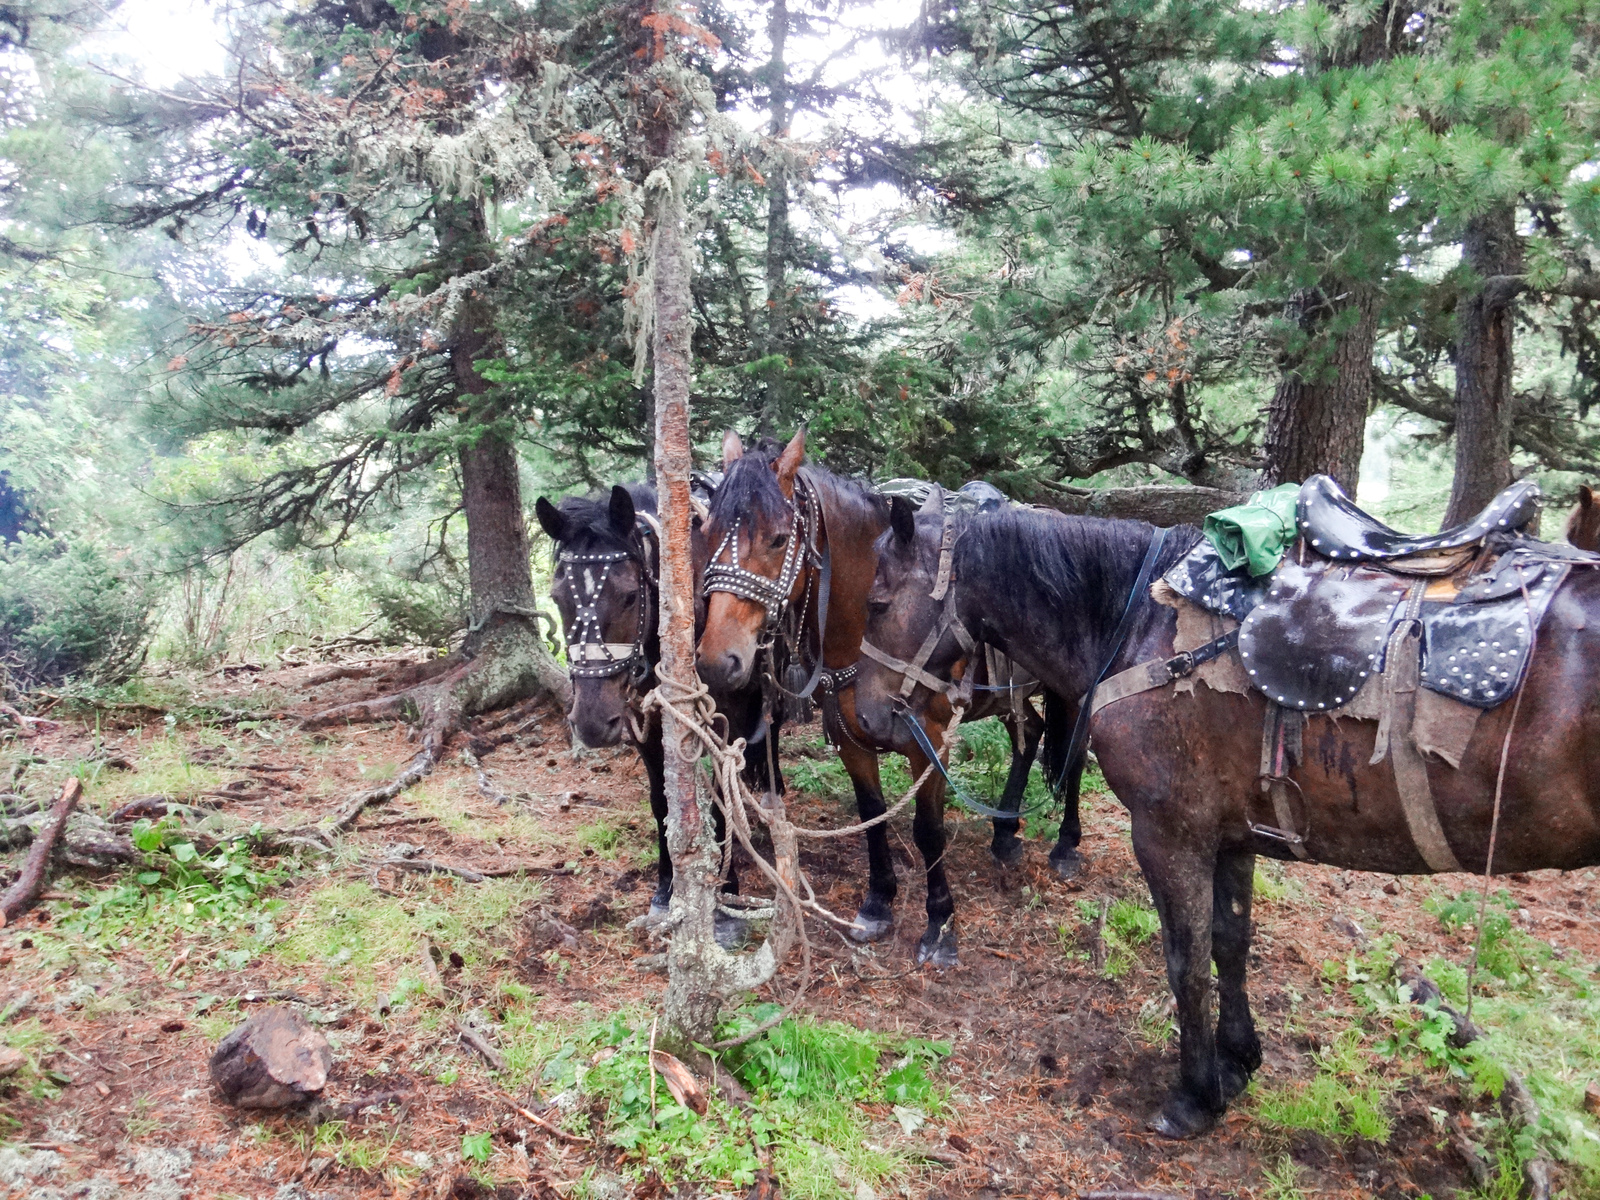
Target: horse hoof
{"x": 1182, "y": 1118}
{"x": 938, "y": 946}
{"x": 731, "y": 932}
{"x": 870, "y": 929}
{"x": 1234, "y": 1078}
{"x": 1067, "y": 863}
{"x": 1008, "y": 854}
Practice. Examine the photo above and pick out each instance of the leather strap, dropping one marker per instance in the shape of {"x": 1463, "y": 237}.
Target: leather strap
{"x": 913, "y": 674}
{"x": 1402, "y": 673}
{"x": 1157, "y": 672}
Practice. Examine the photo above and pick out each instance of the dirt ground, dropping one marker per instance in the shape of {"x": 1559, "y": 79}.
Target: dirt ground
{"x": 1055, "y": 1067}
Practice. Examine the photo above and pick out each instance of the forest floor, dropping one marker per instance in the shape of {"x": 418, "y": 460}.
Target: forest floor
{"x": 1029, "y": 1070}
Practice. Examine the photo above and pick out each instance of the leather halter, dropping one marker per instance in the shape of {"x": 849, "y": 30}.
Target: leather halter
{"x": 800, "y": 551}
{"x": 589, "y": 655}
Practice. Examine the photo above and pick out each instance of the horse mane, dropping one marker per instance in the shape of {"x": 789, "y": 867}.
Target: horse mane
{"x": 751, "y": 486}
{"x": 589, "y": 517}
{"x": 1064, "y": 563}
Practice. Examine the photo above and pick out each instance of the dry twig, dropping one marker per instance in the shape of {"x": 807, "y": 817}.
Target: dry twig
{"x": 24, "y": 893}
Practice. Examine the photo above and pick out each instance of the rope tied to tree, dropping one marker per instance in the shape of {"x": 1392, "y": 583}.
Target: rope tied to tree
{"x": 701, "y": 734}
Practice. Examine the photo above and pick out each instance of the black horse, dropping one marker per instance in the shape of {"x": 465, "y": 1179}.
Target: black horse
{"x": 606, "y": 587}
{"x": 1051, "y": 590}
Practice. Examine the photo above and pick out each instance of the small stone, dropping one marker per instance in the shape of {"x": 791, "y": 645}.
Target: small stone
{"x": 11, "y": 1061}
{"x": 1591, "y": 1098}
{"x": 273, "y": 1060}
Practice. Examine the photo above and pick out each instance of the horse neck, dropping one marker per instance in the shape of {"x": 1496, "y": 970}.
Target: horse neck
{"x": 1061, "y": 624}
{"x": 850, "y": 524}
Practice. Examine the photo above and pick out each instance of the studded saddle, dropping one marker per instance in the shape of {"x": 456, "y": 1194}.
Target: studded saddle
{"x": 1358, "y": 617}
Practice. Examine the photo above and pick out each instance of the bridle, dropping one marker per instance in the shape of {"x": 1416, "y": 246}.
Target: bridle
{"x": 589, "y": 655}
{"x": 782, "y": 621}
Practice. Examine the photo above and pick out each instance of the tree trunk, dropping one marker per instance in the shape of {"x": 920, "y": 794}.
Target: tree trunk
{"x": 774, "y": 401}
{"x": 1484, "y": 342}
{"x": 1316, "y": 423}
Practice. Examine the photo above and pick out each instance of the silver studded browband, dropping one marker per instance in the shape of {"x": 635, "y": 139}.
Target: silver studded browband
{"x": 772, "y": 595}
{"x": 589, "y": 655}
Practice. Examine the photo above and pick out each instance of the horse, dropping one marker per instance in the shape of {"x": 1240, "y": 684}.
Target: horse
{"x": 1052, "y": 592}
{"x": 1583, "y": 522}
{"x": 785, "y": 592}
{"x": 607, "y": 549}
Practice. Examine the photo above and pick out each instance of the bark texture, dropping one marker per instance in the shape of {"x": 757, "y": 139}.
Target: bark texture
{"x": 1316, "y": 423}
{"x": 776, "y": 339}
{"x": 1484, "y": 343}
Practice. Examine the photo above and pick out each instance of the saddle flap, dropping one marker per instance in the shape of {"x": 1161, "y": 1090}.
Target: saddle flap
{"x": 1319, "y": 634}
{"x": 1201, "y": 578}
{"x": 1476, "y": 646}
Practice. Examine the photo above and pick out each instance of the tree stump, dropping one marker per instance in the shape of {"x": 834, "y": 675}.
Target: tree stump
{"x": 273, "y": 1060}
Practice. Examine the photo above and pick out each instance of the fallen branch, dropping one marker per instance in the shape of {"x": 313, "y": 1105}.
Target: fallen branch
{"x": 334, "y": 673}
{"x": 24, "y": 893}
{"x": 428, "y": 866}
{"x": 483, "y": 1046}
{"x": 23, "y": 721}
{"x": 547, "y": 1126}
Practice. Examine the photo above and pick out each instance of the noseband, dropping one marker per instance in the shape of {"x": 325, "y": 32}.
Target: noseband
{"x": 589, "y": 655}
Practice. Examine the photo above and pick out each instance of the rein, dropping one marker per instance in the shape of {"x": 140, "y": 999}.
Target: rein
{"x": 1080, "y": 728}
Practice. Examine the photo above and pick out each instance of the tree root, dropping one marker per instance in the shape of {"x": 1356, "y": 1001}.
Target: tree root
{"x": 345, "y": 818}
{"x": 24, "y": 893}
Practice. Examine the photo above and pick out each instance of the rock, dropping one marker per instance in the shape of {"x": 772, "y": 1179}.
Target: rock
{"x": 10, "y": 1061}
{"x": 273, "y": 1060}
{"x": 1591, "y": 1098}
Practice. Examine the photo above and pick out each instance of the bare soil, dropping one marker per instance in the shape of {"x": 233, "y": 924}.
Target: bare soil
{"x": 1052, "y": 1078}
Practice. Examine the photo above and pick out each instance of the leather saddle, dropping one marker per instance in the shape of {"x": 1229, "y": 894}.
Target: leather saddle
{"x": 1319, "y": 628}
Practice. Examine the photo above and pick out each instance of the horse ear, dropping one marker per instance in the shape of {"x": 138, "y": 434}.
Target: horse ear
{"x": 787, "y": 463}
{"x": 732, "y": 448}
{"x": 903, "y": 520}
{"x": 622, "y": 515}
{"x": 1585, "y": 496}
{"x": 551, "y": 520}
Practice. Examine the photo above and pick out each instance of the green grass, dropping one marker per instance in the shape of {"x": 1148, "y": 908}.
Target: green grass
{"x": 367, "y": 942}
{"x": 1345, "y": 1099}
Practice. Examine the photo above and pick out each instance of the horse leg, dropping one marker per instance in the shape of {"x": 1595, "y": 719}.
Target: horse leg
{"x": 938, "y": 944}
{"x": 652, "y": 755}
{"x": 1065, "y": 779}
{"x": 1007, "y": 846}
{"x": 1181, "y": 880}
{"x": 1238, "y": 1047}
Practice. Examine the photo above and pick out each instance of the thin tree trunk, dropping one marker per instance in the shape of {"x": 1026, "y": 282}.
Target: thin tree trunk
{"x": 1485, "y": 331}
{"x": 1316, "y": 423}
{"x": 774, "y": 401}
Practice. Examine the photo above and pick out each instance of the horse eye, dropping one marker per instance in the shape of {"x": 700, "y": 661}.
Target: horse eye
{"x": 876, "y": 608}
{"x": 629, "y": 599}
{"x": 779, "y": 540}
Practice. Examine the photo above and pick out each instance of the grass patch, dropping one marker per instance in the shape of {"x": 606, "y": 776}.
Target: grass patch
{"x": 367, "y": 942}
{"x": 1345, "y": 1099}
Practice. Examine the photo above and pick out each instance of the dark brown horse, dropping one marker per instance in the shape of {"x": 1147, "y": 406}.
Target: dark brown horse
{"x": 605, "y": 587}
{"x": 1050, "y": 590}
{"x": 773, "y": 525}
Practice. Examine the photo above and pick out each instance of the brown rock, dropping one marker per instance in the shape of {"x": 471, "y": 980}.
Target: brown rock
{"x": 1591, "y": 1098}
{"x": 273, "y": 1060}
{"x": 10, "y": 1061}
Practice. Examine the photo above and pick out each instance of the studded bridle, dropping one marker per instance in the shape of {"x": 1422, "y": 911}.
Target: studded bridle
{"x": 589, "y": 655}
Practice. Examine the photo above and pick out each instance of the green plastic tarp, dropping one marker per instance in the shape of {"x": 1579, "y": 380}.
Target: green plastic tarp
{"x": 1256, "y": 533}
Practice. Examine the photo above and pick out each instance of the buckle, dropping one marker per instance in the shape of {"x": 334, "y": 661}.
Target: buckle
{"x": 1181, "y": 664}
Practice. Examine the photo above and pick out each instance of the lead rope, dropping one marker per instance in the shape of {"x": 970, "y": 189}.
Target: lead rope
{"x": 1499, "y": 792}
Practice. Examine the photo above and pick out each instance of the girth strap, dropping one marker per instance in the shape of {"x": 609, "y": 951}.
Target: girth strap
{"x": 1157, "y": 672}
{"x": 1396, "y": 740}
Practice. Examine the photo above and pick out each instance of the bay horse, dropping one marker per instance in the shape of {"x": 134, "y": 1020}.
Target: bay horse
{"x": 607, "y": 549}
{"x": 1583, "y": 522}
{"x": 1051, "y": 591}
{"x": 798, "y": 540}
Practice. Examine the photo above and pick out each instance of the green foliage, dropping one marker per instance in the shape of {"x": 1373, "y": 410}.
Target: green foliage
{"x": 477, "y": 1147}
{"x": 65, "y": 610}
{"x": 1346, "y": 1098}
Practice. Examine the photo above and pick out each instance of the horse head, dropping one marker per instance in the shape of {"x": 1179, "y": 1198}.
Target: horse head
{"x": 1583, "y": 524}
{"x": 605, "y": 588}
{"x": 901, "y": 676}
{"x": 758, "y": 566}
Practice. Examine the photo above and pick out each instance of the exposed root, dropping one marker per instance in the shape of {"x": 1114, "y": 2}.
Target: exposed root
{"x": 345, "y": 818}
{"x": 29, "y": 726}
{"x": 24, "y": 893}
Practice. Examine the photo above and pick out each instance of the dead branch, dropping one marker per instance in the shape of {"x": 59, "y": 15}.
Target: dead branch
{"x": 24, "y": 722}
{"x": 1097, "y": 947}
{"x": 333, "y": 673}
{"x": 24, "y": 893}
{"x": 483, "y": 1046}
{"x": 547, "y": 1126}
{"x": 470, "y": 874}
